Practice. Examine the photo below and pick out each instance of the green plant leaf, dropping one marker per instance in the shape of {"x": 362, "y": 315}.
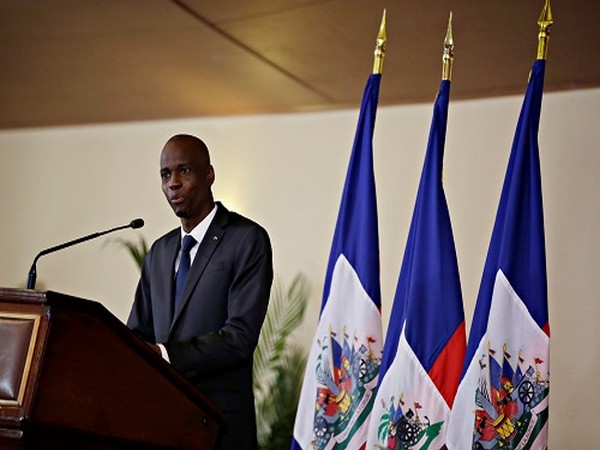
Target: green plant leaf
{"x": 137, "y": 250}
{"x": 279, "y": 367}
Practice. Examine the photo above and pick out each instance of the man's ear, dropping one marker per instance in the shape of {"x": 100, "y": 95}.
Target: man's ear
{"x": 210, "y": 175}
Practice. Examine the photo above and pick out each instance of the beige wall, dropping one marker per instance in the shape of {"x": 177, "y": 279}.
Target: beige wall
{"x": 287, "y": 172}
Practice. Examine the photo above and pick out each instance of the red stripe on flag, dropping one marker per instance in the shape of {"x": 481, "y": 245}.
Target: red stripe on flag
{"x": 445, "y": 372}
{"x": 546, "y": 329}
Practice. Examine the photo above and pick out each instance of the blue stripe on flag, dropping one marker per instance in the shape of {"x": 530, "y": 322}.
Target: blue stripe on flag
{"x": 517, "y": 246}
{"x": 428, "y": 294}
{"x": 356, "y": 232}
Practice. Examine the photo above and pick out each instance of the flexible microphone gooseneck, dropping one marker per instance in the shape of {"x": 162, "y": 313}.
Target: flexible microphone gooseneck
{"x": 31, "y": 277}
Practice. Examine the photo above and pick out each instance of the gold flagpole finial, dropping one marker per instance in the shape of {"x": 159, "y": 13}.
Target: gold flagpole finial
{"x": 545, "y": 21}
{"x": 380, "y": 47}
{"x": 448, "y": 55}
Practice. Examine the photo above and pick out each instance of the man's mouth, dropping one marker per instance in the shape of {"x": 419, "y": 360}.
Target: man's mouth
{"x": 176, "y": 200}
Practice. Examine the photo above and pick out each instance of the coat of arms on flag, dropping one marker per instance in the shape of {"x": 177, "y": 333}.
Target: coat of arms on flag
{"x": 343, "y": 367}
{"x": 512, "y": 382}
{"x": 404, "y": 427}
{"x": 510, "y": 401}
{"x": 346, "y": 373}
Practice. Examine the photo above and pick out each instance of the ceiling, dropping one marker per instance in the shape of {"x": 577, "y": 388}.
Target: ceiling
{"x": 69, "y": 62}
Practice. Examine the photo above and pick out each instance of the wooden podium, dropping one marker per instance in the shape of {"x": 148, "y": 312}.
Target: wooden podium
{"x": 73, "y": 376}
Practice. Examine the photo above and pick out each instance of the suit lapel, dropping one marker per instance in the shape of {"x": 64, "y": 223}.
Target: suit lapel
{"x": 207, "y": 248}
{"x": 163, "y": 317}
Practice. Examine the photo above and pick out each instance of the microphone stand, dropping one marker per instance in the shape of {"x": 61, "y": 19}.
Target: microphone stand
{"x": 32, "y": 276}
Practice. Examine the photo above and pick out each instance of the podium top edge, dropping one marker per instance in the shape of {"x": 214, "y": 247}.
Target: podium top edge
{"x": 22, "y": 295}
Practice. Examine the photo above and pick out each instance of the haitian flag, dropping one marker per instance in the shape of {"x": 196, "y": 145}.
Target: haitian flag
{"x": 425, "y": 343}
{"x": 502, "y": 399}
{"x": 343, "y": 365}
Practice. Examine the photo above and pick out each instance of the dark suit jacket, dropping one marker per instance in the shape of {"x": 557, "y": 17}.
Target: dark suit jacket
{"x": 211, "y": 337}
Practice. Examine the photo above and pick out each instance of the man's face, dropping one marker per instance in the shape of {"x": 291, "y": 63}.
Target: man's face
{"x": 187, "y": 177}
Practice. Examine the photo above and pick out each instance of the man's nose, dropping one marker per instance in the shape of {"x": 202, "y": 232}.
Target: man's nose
{"x": 174, "y": 181}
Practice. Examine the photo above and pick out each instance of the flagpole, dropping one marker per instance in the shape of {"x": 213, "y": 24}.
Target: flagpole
{"x": 380, "y": 47}
{"x": 545, "y": 21}
{"x": 448, "y": 55}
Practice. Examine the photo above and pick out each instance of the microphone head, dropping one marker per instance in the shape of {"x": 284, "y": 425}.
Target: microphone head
{"x": 137, "y": 223}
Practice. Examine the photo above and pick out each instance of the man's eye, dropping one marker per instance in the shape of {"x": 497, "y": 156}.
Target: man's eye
{"x": 185, "y": 170}
{"x": 165, "y": 175}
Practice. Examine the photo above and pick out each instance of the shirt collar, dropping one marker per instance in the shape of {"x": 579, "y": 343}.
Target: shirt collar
{"x": 199, "y": 230}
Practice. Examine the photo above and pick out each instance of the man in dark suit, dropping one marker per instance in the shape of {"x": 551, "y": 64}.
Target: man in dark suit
{"x": 210, "y": 332}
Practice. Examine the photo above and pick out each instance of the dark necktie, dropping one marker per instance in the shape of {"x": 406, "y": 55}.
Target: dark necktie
{"x": 184, "y": 267}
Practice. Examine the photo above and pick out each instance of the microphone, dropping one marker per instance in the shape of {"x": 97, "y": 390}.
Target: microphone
{"x": 31, "y": 277}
